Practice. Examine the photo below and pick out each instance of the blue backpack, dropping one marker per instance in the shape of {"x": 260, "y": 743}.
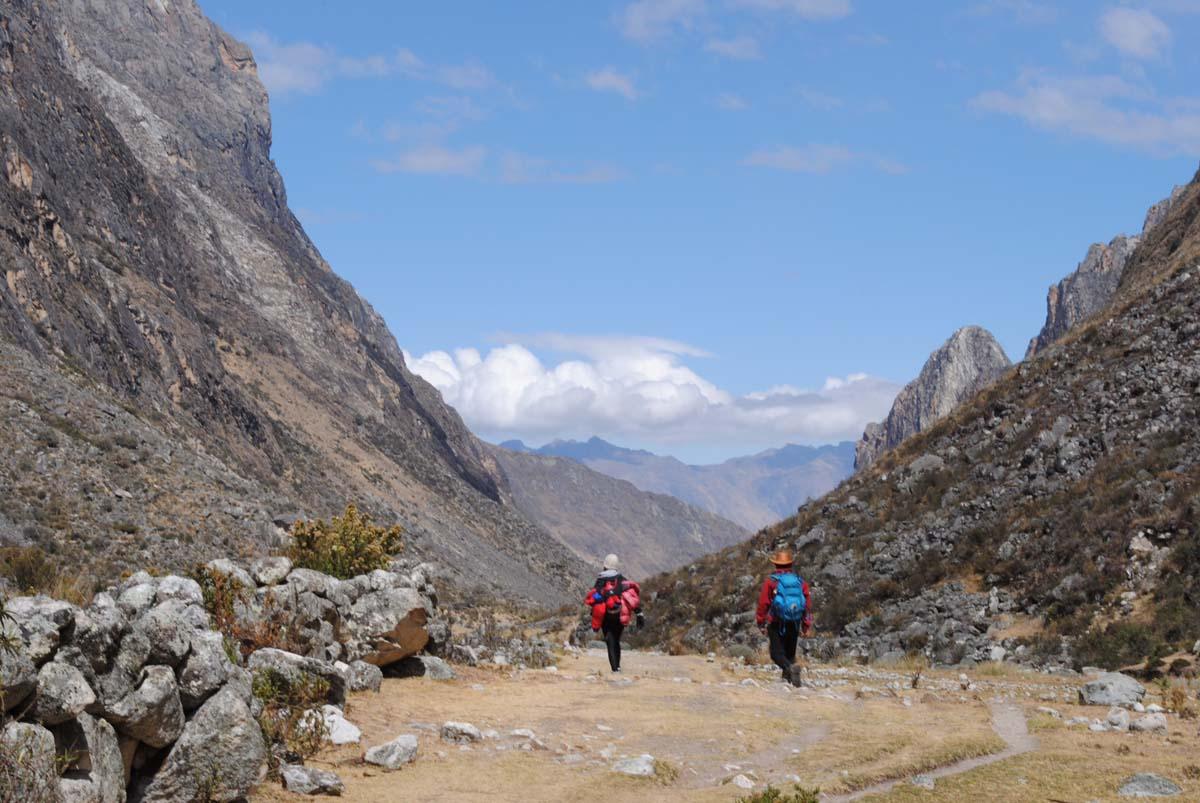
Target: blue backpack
{"x": 789, "y": 603}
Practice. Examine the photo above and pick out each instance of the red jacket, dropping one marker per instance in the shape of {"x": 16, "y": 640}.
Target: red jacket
{"x": 626, "y": 603}
{"x": 763, "y": 614}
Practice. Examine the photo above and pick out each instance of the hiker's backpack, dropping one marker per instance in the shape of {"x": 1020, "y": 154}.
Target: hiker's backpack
{"x": 789, "y": 603}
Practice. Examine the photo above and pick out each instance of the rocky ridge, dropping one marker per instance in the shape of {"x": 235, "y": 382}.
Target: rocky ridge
{"x": 1065, "y": 492}
{"x": 962, "y": 366}
{"x": 152, "y": 265}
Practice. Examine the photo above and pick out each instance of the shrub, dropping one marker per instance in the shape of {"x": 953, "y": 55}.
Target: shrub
{"x": 30, "y": 569}
{"x": 348, "y": 545}
{"x": 773, "y": 795}
{"x": 291, "y": 717}
{"x": 275, "y": 627}
{"x": 1118, "y": 644}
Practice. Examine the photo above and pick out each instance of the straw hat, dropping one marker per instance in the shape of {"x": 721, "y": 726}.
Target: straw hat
{"x": 782, "y": 558}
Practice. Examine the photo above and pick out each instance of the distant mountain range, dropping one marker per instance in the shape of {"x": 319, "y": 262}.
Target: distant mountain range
{"x": 752, "y": 491}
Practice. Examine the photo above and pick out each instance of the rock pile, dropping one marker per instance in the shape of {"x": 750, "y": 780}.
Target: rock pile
{"x": 150, "y": 703}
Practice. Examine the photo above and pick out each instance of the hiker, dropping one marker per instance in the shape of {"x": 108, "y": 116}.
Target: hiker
{"x": 614, "y": 602}
{"x": 783, "y": 613}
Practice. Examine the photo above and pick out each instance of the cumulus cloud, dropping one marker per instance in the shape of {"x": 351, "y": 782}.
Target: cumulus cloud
{"x": 743, "y": 48}
{"x": 805, "y": 9}
{"x": 819, "y": 159}
{"x": 1106, "y": 108}
{"x": 647, "y": 20}
{"x": 609, "y": 79}
{"x": 639, "y": 388}
{"x": 1135, "y": 32}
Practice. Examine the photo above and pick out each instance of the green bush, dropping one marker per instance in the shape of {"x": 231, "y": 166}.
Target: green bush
{"x": 290, "y": 715}
{"x": 773, "y": 795}
{"x": 1117, "y": 644}
{"x": 347, "y": 546}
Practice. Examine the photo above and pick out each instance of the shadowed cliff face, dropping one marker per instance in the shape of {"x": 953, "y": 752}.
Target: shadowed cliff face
{"x": 965, "y": 364}
{"x": 149, "y": 255}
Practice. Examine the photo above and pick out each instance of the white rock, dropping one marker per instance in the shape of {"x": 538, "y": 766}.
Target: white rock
{"x": 394, "y": 754}
{"x": 181, "y": 588}
{"x": 460, "y": 733}
{"x": 1150, "y": 723}
{"x": 340, "y": 730}
{"x": 742, "y": 782}
{"x": 1154, "y": 708}
{"x": 1118, "y": 719}
{"x": 639, "y": 767}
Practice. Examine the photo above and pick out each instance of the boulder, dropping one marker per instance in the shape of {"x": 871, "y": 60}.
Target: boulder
{"x": 310, "y": 780}
{"x": 386, "y": 626}
{"x": 184, "y": 589}
{"x": 1118, "y": 719}
{"x": 1150, "y": 723}
{"x": 123, "y": 676}
{"x": 229, "y": 569}
{"x": 639, "y": 766}
{"x": 270, "y": 571}
{"x": 460, "y": 733}
{"x": 168, "y": 631}
{"x": 361, "y": 676}
{"x": 31, "y": 749}
{"x": 205, "y": 670}
{"x": 394, "y": 754}
{"x": 62, "y": 693}
{"x": 97, "y": 771}
{"x": 422, "y": 666}
{"x": 315, "y": 582}
{"x": 41, "y": 623}
{"x": 295, "y": 668}
{"x": 137, "y": 599}
{"x": 98, "y": 631}
{"x": 1112, "y": 688}
{"x": 1147, "y": 784}
{"x": 18, "y": 678}
{"x": 152, "y": 713}
{"x": 338, "y": 729}
{"x": 220, "y": 753}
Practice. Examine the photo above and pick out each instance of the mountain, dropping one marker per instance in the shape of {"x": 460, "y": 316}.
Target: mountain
{"x": 163, "y": 311}
{"x": 1094, "y": 281}
{"x": 966, "y": 363}
{"x": 595, "y": 514}
{"x": 1052, "y": 517}
{"x": 752, "y": 491}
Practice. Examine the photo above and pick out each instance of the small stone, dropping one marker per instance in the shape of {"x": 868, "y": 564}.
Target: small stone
{"x": 742, "y": 782}
{"x": 339, "y": 729}
{"x": 270, "y": 571}
{"x": 460, "y": 733}
{"x": 1150, "y": 723}
{"x": 639, "y": 767}
{"x": 310, "y": 780}
{"x": 1118, "y": 719}
{"x": 394, "y": 754}
{"x": 923, "y": 781}
{"x": 362, "y": 676}
{"x": 1154, "y": 708}
{"x": 1147, "y": 784}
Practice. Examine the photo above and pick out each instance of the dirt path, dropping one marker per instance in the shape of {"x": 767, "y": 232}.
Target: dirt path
{"x": 1008, "y": 721}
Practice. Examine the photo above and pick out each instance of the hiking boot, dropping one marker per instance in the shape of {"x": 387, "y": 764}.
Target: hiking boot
{"x": 796, "y": 675}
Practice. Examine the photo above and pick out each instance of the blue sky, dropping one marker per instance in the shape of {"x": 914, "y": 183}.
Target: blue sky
{"x": 712, "y": 226}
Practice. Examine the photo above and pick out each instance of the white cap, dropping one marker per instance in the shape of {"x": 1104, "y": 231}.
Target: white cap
{"x": 611, "y": 562}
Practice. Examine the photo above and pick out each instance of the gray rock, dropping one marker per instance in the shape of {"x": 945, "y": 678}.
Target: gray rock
{"x": 270, "y": 571}
{"x": 221, "y": 750}
{"x": 1150, "y": 723}
{"x": 18, "y": 678}
{"x": 229, "y": 569}
{"x": 137, "y": 599}
{"x": 98, "y": 631}
{"x": 1118, "y": 719}
{"x": 168, "y": 630}
{"x": 965, "y": 364}
{"x": 205, "y": 669}
{"x": 1112, "y": 688}
{"x": 386, "y": 626}
{"x": 394, "y": 754}
{"x": 31, "y": 748}
{"x": 1147, "y": 784}
{"x": 362, "y": 676}
{"x": 153, "y": 713}
{"x": 295, "y": 668}
{"x": 460, "y": 733}
{"x": 62, "y": 693}
{"x": 638, "y": 767}
{"x": 312, "y": 581}
{"x": 184, "y": 589}
{"x": 97, "y": 769}
{"x": 418, "y": 666}
{"x": 41, "y": 623}
{"x": 310, "y": 780}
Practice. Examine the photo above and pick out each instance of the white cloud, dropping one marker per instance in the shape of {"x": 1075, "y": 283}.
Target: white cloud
{"x": 819, "y": 158}
{"x": 466, "y": 76}
{"x": 1027, "y": 12}
{"x": 731, "y": 102}
{"x": 647, "y": 20}
{"x": 609, "y": 79}
{"x": 1135, "y": 32}
{"x": 1106, "y": 108}
{"x": 806, "y": 9}
{"x": 639, "y": 388}
{"x": 436, "y": 160}
{"x": 743, "y": 48}
{"x": 519, "y": 168}
{"x": 819, "y": 100}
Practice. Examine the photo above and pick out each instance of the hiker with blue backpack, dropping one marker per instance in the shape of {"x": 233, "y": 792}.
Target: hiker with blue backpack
{"x": 784, "y": 613}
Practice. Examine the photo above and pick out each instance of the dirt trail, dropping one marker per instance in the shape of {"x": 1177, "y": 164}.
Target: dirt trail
{"x": 708, "y": 724}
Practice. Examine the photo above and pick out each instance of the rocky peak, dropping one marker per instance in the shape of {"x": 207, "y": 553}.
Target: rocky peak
{"x": 1095, "y": 280}
{"x": 966, "y": 363}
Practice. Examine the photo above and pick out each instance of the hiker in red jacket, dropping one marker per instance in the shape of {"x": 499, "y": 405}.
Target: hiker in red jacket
{"x": 614, "y": 602}
{"x": 784, "y": 611}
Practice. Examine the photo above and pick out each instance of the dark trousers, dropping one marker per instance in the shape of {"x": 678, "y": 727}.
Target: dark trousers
{"x": 782, "y": 636}
{"x": 612, "y": 629}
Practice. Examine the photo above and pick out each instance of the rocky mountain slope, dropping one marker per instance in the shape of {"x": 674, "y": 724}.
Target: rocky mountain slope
{"x": 966, "y": 363}
{"x": 752, "y": 491}
{"x": 1057, "y": 510}
{"x": 1094, "y": 282}
{"x": 595, "y": 514}
{"x": 152, "y": 267}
